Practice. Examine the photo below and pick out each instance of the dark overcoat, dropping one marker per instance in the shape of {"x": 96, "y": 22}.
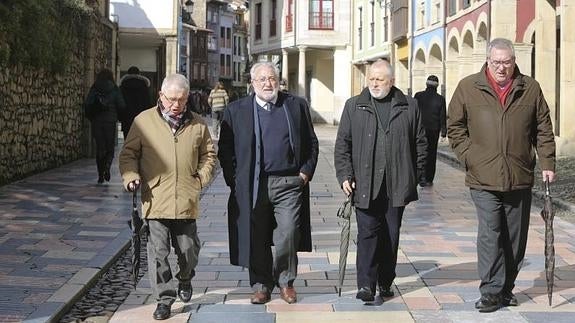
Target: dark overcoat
{"x": 405, "y": 148}
{"x": 238, "y": 153}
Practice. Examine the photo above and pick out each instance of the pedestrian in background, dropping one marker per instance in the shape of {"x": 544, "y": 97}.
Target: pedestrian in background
{"x": 102, "y": 106}
{"x": 283, "y": 85}
{"x": 379, "y": 151}
{"x": 169, "y": 154}
{"x": 268, "y": 151}
{"x": 136, "y": 91}
{"x": 497, "y": 119}
{"x": 218, "y": 99}
{"x": 432, "y": 107}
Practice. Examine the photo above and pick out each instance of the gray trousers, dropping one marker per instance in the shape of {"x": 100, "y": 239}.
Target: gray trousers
{"x": 164, "y": 234}
{"x": 276, "y": 217}
{"x": 503, "y": 223}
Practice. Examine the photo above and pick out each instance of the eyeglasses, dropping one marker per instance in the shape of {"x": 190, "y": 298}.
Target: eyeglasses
{"x": 506, "y": 63}
{"x": 264, "y": 80}
{"x": 181, "y": 101}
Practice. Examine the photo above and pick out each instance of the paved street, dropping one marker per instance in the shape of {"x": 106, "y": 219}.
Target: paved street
{"x": 59, "y": 228}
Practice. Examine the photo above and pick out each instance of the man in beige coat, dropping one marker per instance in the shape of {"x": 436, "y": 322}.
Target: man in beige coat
{"x": 169, "y": 154}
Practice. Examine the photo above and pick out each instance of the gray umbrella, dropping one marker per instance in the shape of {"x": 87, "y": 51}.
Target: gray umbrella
{"x": 344, "y": 212}
{"x": 547, "y": 213}
{"x": 136, "y": 224}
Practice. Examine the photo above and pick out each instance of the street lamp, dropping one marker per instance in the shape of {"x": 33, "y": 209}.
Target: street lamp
{"x": 189, "y": 4}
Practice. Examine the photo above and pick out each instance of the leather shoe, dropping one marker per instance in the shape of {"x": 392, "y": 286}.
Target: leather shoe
{"x": 185, "y": 292}
{"x": 508, "y": 299}
{"x": 288, "y": 294}
{"x": 162, "y": 312}
{"x": 260, "y": 297}
{"x": 365, "y": 294}
{"x": 488, "y": 303}
{"x": 385, "y": 292}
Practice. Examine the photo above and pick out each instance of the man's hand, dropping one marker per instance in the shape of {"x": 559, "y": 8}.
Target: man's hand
{"x": 133, "y": 185}
{"x": 304, "y": 177}
{"x": 548, "y": 174}
{"x": 348, "y": 187}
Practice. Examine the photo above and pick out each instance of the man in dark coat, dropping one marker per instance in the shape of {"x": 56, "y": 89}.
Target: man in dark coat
{"x": 432, "y": 107}
{"x": 379, "y": 151}
{"x": 497, "y": 119}
{"x": 268, "y": 151}
{"x": 135, "y": 89}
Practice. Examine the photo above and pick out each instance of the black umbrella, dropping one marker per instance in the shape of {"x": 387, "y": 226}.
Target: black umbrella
{"x": 136, "y": 224}
{"x": 344, "y": 212}
{"x": 547, "y": 213}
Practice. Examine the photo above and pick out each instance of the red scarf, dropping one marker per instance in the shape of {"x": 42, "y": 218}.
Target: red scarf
{"x": 501, "y": 92}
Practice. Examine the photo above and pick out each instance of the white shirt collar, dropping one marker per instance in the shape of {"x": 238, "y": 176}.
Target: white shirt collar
{"x": 263, "y": 103}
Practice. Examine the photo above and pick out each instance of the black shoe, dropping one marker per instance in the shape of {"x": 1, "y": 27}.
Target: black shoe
{"x": 365, "y": 294}
{"x": 100, "y": 179}
{"x": 107, "y": 175}
{"x": 162, "y": 312}
{"x": 488, "y": 303}
{"x": 185, "y": 292}
{"x": 385, "y": 292}
{"x": 508, "y": 299}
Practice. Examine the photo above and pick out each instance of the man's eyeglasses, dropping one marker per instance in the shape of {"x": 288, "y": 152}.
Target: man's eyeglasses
{"x": 264, "y": 80}
{"x": 181, "y": 101}
{"x": 506, "y": 63}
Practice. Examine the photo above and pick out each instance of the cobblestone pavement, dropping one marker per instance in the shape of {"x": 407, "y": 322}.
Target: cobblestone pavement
{"x": 59, "y": 230}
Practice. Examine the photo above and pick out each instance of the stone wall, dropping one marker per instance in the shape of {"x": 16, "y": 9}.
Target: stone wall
{"x": 42, "y": 123}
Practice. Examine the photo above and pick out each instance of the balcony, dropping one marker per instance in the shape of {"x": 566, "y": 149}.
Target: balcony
{"x": 399, "y": 20}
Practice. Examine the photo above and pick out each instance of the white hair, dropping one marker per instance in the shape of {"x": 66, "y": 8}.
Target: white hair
{"x": 175, "y": 81}
{"x": 501, "y": 43}
{"x": 258, "y": 65}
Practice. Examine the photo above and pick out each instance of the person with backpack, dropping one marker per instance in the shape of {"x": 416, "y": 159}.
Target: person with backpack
{"x": 102, "y": 106}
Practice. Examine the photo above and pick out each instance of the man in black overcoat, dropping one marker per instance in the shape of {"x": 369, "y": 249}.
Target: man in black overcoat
{"x": 268, "y": 151}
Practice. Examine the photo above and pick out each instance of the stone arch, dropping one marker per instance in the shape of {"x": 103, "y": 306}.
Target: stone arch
{"x": 481, "y": 41}
{"x": 418, "y": 71}
{"x": 435, "y": 62}
{"x": 451, "y": 66}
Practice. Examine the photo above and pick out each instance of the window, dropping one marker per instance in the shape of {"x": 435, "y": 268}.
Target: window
{"x": 258, "y": 21}
{"x": 289, "y": 16}
{"x": 273, "y": 18}
{"x": 359, "y": 29}
{"x": 385, "y": 28}
{"x": 321, "y": 14}
{"x": 228, "y": 65}
{"x": 228, "y": 37}
{"x": 452, "y": 7}
{"x": 372, "y": 25}
{"x": 222, "y": 64}
{"x": 466, "y": 4}
{"x": 435, "y": 12}
{"x": 222, "y": 37}
{"x": 212, "y": 42}
{"x": 421, "y": 16}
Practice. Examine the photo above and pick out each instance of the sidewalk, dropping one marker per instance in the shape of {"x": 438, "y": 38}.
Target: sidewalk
{"x": 59, "y": 229}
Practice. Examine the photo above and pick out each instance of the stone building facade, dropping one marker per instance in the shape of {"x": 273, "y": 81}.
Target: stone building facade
{"x": 42, "y": 123}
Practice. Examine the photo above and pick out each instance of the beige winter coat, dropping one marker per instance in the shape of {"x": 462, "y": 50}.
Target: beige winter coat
{"x": 172, "y": 168}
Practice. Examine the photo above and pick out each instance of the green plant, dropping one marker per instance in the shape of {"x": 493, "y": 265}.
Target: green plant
{"x": 41, "y": 33}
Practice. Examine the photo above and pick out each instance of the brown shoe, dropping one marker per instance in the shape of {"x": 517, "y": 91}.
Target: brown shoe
{"x": 288, "y": 294}
{"x": 260, "y": 297}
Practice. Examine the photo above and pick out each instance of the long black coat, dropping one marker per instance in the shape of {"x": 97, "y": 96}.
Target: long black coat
{"x": 238, "y": 154}
{"x": 405, "y": 148}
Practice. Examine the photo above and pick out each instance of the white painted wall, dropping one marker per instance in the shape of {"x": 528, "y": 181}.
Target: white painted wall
{"x": 143, "y": 58}
{"x": 152, "y": 14}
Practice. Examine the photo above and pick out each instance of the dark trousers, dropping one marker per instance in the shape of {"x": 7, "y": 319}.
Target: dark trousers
{"x": 432, "y": 137}
{"x": 503, "y": 223}
{"x": 104, "y": 134}
{"x": 276, "y": 217}
{"x": 217, "y": 117}
{"x": 377, "y": 242}
{"x": 182, "y": 235}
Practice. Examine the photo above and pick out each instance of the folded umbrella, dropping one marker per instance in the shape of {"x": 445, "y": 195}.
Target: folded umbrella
{"x": 547, "y": 213}
{"x": 344, "y": 212}
{"x": 136, "y": 224}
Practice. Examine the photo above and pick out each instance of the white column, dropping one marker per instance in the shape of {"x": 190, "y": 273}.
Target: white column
{"x": 171, "y": 54}
{"x": 566, "y": 145}
{"x": 545, "y": 51}
{"x": 285, "y": 64}
{"x": 341, "y": 80}
{"x": 301, "y": 71}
